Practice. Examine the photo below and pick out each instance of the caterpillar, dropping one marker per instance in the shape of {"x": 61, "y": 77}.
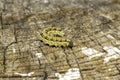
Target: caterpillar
{"x": 54, "y": 36}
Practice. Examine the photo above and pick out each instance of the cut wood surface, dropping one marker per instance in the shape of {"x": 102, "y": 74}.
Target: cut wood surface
{"x": 93, "y": 26}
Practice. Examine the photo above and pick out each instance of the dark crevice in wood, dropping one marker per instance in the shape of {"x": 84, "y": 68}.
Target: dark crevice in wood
{"x": 81, "y": 75}
{"x": 4, "y": 55}
{"x": 52, "y": 68}
{"x": 1, "y": 20}
{"x": 67, "y": 60}
{"x": 116, "y": 65}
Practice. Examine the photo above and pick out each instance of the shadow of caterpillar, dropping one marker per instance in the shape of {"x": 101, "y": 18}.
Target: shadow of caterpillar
{"x": 54, "y": 36}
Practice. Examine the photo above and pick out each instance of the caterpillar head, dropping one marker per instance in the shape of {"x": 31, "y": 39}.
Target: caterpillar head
{"x": 70, "y": 44}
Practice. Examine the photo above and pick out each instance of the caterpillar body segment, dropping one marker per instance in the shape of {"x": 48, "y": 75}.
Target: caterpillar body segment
{"x": 54, "y": 28}
{"x": 54, "y": 39}
{"x": 54, "y": 36}
{"x": 56, "y": 33}
{"x": 52, "y": 43}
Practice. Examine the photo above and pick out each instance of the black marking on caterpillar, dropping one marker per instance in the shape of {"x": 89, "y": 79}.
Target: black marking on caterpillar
{"x": 54, "y": 36}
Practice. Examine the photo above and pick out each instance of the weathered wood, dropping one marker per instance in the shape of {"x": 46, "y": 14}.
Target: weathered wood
{"x": 93, "y": 26}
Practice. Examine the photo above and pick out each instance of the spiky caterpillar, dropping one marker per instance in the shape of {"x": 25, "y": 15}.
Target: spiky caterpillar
{"x": 54, "y": 36}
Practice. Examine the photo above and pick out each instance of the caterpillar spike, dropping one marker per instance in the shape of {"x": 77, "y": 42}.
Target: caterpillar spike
{"x": 54, "y": 36}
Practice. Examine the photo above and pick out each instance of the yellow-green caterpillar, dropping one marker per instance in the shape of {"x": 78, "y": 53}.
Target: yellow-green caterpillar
{"x": 53, "y": 36}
